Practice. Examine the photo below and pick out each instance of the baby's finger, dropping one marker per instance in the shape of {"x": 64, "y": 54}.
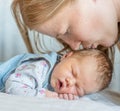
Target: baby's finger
{"x": 63, "y": 96}
{"x": 60, "y": 96}
{"x": 76, "y": 97}
{"x": 70, "y": 96}
{"x": 66, "y": 96}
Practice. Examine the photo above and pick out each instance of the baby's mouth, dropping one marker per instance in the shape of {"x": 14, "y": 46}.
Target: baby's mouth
{"x": 59, "y": 84}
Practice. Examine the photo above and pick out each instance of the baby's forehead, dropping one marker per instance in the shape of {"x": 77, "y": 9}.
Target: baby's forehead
{"x": 88, "y": 65}
{"x": 87, "y": 58}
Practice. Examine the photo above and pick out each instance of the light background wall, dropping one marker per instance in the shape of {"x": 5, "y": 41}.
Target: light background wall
{"x": 12, "y": 44}
{"x": 116, "y": 75}
{"x": 10, "y": 38}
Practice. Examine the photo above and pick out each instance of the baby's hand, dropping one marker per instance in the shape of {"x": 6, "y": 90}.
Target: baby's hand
{"x": 67, "y": 96}
{"x": 51, "y": 94}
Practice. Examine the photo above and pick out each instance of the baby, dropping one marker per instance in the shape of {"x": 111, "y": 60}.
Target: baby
{"x": 50, "y": 75}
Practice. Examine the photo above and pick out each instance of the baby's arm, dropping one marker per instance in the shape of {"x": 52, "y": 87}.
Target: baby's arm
{"x": 24, "y": 81}
{"x": 19, "y": 88}
{"x": 24, "y": 85}
{"x": 19, "y": 84}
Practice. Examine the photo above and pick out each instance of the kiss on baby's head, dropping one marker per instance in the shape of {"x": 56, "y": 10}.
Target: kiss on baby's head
{"x": 82, "y": 72}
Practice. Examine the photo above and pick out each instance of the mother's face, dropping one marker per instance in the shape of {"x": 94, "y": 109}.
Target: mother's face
{"x": 85, "y": 22}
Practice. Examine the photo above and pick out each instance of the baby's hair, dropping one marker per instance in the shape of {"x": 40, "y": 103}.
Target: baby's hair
{"x": 104, "y": 66}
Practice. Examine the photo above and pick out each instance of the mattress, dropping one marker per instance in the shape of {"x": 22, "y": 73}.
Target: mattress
{"x": 103, "y": 101}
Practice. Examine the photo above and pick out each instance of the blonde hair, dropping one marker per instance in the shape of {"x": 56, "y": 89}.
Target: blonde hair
{"x": 30, "y": 13}
{"x": 104, "y": 65}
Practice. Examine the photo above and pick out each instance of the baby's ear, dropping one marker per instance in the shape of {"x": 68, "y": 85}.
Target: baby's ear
{"x": 67, "y": 55}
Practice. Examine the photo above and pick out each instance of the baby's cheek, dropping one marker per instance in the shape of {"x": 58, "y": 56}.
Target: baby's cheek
{"x": 80, "y": 92}
{"x": 72, "y": 90}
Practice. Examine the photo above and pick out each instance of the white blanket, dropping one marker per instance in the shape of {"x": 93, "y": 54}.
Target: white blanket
{"x": 96, "y": 102}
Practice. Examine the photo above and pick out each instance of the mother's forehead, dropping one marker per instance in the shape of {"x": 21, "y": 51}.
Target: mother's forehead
{"x": 56, "y": 22}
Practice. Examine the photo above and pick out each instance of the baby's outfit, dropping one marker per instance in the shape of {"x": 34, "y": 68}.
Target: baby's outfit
{"x": 29, "y": 76}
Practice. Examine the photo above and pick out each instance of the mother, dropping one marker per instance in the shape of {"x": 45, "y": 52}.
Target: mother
{"x": 89, "y": 23}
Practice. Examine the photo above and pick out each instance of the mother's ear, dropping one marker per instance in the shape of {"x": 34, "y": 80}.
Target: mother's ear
{"x": 67, "y": 55}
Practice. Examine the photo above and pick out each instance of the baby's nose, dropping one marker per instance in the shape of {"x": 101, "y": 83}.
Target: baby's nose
{"x": 70, "y": 82}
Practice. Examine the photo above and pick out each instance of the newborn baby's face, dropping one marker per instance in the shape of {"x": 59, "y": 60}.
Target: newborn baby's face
{"x": 74, "y": 76}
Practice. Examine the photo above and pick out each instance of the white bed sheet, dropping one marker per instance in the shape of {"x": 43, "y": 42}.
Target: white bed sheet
{"x": 96, "y": 102}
